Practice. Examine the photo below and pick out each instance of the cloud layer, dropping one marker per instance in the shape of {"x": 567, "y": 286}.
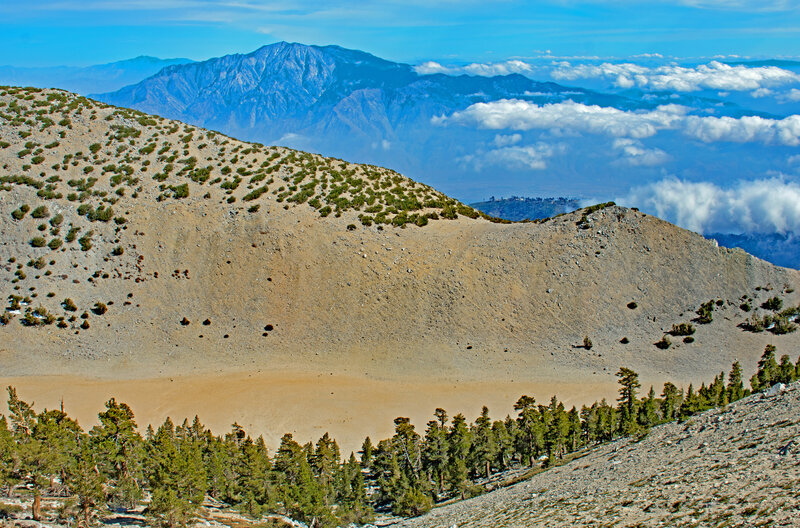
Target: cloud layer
{"x": 760, "y": 206}
{"x": 515, "y": 114}
{"x": 712, "y": 76}
{"x": 571, "y": 117}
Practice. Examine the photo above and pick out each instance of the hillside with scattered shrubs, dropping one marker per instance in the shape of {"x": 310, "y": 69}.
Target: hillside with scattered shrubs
{"x": 137, "y": 248}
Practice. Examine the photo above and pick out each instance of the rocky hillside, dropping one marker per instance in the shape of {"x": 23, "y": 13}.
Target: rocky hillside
{"x": 737, "y": 466}
{"x": 134, "y": 247}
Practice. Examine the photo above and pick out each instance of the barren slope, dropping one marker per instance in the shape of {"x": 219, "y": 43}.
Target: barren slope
{"x": 738, "y": 466}
{"x": 309, "y": 295}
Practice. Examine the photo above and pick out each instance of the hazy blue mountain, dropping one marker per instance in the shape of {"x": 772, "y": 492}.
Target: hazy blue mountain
{"x": 779, "y": 249}
{"x": 519, "y": 208}
{"x": 353, "y": 105}
{"x": 89, "y": 79}
{"x": 339, "y": 102}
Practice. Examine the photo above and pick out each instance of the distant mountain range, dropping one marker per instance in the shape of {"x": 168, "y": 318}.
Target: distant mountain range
{"x": 779, "y": 249}
{"x": 336, "y": 101}
{"x": 89, "y": 79}
{"x": 519, "y": 208}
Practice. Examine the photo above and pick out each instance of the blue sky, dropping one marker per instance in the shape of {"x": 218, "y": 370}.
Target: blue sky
{"x": 83, "y": 32}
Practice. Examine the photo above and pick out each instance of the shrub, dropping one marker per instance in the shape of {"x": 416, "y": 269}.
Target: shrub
{"x": 38, "y": 242}
{"x": 774, "y": 304}
{"x": 86, "y": 241}
{"x": 69, "y": 305}
{"x": 745, "y": 307}
{"x": 72, "y": 234}
{"x": 705, "y": 312}
{"x": 412, "y": 503}
{"x": 40, "y": 212}
{"x": 688, "y": 339}
{"x": 682, "y": 329}
{"x": 99, "y": 308}
{"x": 587, "y": 343}
{"x": 632, "y": 305}
{"x": 56, "y": 220}
{"x": 117, "y": 251}
{"x": 54, "y": 244}
{"x": 19, "y": 214}
{"x": 624, "y": 341}
{"x": 664, "y": 343}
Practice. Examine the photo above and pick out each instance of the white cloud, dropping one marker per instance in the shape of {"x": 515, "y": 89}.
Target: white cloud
{"x": 504, "y": 141}
{"x": 760, "y": 206}
{"x": 477, "y": 69}
{"x": 636, "y": 155}
{"x": 527, "y": 157}
{"x": 761, "y": 92}
{"x": 570, "y": 118}
{"x": 520, "y": 115}
{"x": 793, "y": 95}
{"x": 712, "y": 76}
{"x": 745, "y": 129}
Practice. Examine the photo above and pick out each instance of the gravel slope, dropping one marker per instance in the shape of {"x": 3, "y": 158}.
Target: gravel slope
{"x": 734, "y": 467}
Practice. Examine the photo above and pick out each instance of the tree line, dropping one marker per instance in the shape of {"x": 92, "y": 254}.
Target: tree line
{"x": 172, "y": 469}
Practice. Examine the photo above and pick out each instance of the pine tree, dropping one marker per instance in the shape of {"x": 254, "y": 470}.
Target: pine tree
{"x": 325, "y": 464}
{"x": 435, "y": 448}
{"x": 505, "y": 442}
{"x": 557, "y": 429}
{"x": 8, "y": 456}
{"x": 85, "y": 480}
{"x": 460, "y": 442}
{"x": 530, "y": 429}
{"x": 786, "y": 372}
{"x": 120, "y": 452}
{"x": 366, "y": 453}
{"x": 177, "y": 476}
{"x": 767, "y": 370}
{"x": 670, "y": 401}
{"x": 735, "y": 385}
{"x": 484, "y": 445}
{"x": 252, "y": 482}
{"x": 629, "y": 382}
{"x": 37, "y": 441}
{"x": 648, "y": 410}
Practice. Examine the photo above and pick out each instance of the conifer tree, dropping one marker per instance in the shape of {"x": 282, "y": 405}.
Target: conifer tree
{"x": 484, "y": 445}
{"x": 670, "y": 401}
{"x": 629, "y": 382}
{"x": 735, "y": 385}
{"x": 786, "y": 372}
{"x": 177, "y": 476}
{"x": 7, "y": 456}
{"x": 530, "y": 430}
{"x": 648, "y": 410}
{"x": 120, "y": 452}
{"x": 435, "y": 451}
{"x": 366, "y": 453}
{"x": 460, "y": 441}
{"x": 504, "y": 432}
{"x": 85, "y": 480}
{"x": 767, "y": 370}
{"x": 252, "y": 469}
{"x": 36, "y": 461}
